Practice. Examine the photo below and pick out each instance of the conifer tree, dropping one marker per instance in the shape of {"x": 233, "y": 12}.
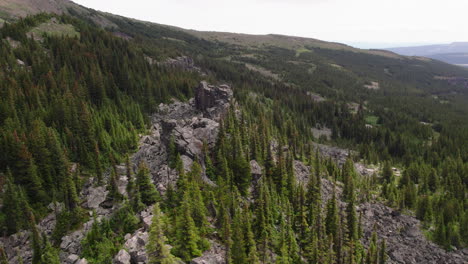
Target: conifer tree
{"x": 387, "y": 173}
{"x": 382, "y": 254}
{"x": 157, "y": 250}
{"x": 12, "y": 206}
{"x": 3, "y": 257}
{"x": 351, "y": 219}
{"x": 130, "y": 180}
{"x": 332, "y": 218}
{"x": 172, "y": 153}
{"x": 97, "y": 164}
{"x": 71, "y": 195}
{"x": 186, "y": 243}
{"x": 112, "y": 186}
{"x": 148, "y": 192}
{"x": 250, "y": 244}
{"x": 238, "y": 248}
{"x": 50, "y": 254}
{"x": 226, "y": 233}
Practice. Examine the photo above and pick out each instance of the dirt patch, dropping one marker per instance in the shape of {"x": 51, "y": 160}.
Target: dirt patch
{"x": 263, "y": 71}
{"x": 372, "y": 86}
{"x": 316, "y": 97}
{"x": 322, "y": 132}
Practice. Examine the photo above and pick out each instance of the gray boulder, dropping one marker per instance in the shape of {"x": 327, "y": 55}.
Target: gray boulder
{"x": 255, "y": 170}
{"x": 122, "y": 257}
{"x": 136, "y": 246}
{"x": 215, "y": 255}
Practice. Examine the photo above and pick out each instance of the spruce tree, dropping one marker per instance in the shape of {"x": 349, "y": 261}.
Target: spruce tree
{"x": 351, "y": 219}
{"x": 12, "y": 206}
{"x": 332, "y": 218}
{"x": 3, "y": 257}
{"x": 130, "y": 180}
{"x": 187, "y": 240}
{"x": 50, "y": 255}
{"x": 97, "y": 164}
{"x": 382, "y": 253}
{"x": 238, "y": 248}
{"x": 148, "y": 192}
{"x": 157, "y": 250}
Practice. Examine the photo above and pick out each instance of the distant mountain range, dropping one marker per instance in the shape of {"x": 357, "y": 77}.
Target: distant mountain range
{"x": 453, "y": 53}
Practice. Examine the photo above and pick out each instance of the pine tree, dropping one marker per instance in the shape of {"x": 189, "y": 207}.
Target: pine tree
{"x": 351, "y": 219}
{"x": 3, "y": 257}
{"x": 114, "y": 195}
{"x": 187, "y": 240}
{"x": 97, "y": 164}
{"x": 382, "y": 254}
{"x": 332, "y": 218}
{"x": 250, "y": 244}
{"x": 238, "y": 248}
{"x": 49, "y": 254}
{"x": 172, "y": 152}
{"x": 130, "y": 180}
{"x": 12, "y": 206}
{"x": 242, "y": 176}
{"x": 71, "y": 196}
{"x": 226, "y": 233}
{"x": 157, "y": 250}
{"x": 387, "y": 173}
{"x": 348, "y": 179}
{"x": 148, "y": 192}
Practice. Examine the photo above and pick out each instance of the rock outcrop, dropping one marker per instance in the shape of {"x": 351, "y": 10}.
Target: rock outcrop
{"x": 212, "y": 99}
{"x": 215, "y": 255}
{"x": 405, "y": 241}
{"x": 183, "y": 63}
{"x": 190, "y": 124}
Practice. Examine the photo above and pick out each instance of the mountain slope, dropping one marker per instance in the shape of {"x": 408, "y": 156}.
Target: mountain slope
{"x": 100, "y": 128}
{"x": 454, "y": 53}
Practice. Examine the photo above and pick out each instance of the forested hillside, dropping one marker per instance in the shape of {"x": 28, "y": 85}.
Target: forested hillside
{"x": 79, "y": 96}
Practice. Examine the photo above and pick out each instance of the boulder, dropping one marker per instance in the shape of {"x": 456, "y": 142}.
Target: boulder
{"x": 95, "y": 196}
{"x": 146, "y": 217}
{"x": 301, "y": 171}
{"x": 215, "y": 255}
{"x": 82, "y": 261}
{"x": 72, "y": 258}
{"x": 136, "y": 246}
{"x": 255, "y": 169}
{"x": 122, "y": 257}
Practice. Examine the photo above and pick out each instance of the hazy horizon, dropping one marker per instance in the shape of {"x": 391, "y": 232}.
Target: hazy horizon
{"x": 360, "y": 23}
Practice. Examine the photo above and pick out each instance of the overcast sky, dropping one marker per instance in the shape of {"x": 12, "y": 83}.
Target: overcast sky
{"x": 363, "y": 23}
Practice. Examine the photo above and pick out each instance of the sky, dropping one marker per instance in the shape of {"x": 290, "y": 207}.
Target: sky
{"x": 360, "y": 23}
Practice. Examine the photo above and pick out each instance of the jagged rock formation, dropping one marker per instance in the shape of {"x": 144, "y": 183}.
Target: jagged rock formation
{"x": 191, "y": 124}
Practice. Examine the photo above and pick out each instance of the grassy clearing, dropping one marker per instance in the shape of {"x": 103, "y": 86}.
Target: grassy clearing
{"x": 302, "y": 50}
{"x": 372, "y": 120}
{"x": 52, "y": 28}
